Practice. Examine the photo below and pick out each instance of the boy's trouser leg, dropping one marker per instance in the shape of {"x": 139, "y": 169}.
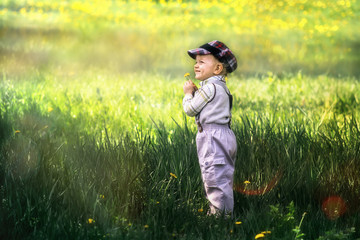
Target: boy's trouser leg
{"x": 220, "y": 197}
{"x": 217, "y": 153}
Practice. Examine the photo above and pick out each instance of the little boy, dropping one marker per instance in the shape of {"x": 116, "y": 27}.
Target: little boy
{"x": 211, "y": 106}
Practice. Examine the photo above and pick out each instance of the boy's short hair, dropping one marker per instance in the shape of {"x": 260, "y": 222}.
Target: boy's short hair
{"x": 220, "y": 52}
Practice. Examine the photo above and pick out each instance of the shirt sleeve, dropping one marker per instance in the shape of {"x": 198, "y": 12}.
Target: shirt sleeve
{"x": 194, "y": 104}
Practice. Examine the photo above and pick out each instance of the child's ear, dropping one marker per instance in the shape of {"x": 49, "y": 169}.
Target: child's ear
{"x": 218, "y": 69}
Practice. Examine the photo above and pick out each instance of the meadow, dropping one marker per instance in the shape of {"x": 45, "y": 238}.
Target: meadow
{"x": 95, "y": 144}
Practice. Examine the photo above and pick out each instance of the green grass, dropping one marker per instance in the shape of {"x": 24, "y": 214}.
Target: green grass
{"x": 78, "y": 150}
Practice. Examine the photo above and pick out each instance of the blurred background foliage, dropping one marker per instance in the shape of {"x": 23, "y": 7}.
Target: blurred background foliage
{"x": 315, "y": 37}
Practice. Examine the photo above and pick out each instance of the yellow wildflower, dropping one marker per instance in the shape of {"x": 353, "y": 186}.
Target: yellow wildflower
{"x": 260, "y": 235}
{"x": 23, "y": 11}
{"x": 247, "y": 182}
{"x": 187, "y": 76}
{"x": 238, "y": 223}
{"x": 4, "y": 11}
{"x": 102, "y": 196}
{"x": 200, "y": 210}
{"x": 50, "y": 109}
{"x": 173, "y": 175}
{"x": 90, "y": 220}
{"x": 17, "y": 131}
{"x": 146, "y": 226}
{"x": 266, "y": 232}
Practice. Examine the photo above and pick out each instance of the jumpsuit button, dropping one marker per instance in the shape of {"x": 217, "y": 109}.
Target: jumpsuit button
{"x": 206, "y": 163}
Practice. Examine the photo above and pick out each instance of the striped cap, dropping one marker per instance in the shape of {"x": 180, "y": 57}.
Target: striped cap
{"x": 220, "y": 51}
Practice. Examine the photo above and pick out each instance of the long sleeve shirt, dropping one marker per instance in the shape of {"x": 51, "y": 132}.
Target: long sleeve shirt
{"x": 210, "y": 103}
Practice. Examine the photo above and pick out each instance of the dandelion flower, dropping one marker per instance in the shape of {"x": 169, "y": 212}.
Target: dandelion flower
{"x": 260, "y": 235}
{"x": 238, "y": 223}
{"x": 187, "y": 76}
{"x": 23, "y": 11}
{"x": 50, "y": 109}
{"x": 247, "y": 182}
{"x": 90, "y": 220}
{"x": 173, "y": 175}
{"x": 146, "y": 226}
{"x": 200, "y": 210}
{"x": 17, "y": 131}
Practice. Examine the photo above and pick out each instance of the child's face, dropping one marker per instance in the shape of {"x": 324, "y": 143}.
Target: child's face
{"x": 206, "y": 66}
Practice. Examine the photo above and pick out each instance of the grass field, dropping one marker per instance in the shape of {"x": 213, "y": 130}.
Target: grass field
{"x": 95, "y": 144}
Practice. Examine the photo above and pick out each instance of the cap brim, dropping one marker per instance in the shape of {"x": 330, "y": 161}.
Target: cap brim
{"x": 198, "y": 51}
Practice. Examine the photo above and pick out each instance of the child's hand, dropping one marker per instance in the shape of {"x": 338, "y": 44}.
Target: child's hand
{"x": 189, "y": 87}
